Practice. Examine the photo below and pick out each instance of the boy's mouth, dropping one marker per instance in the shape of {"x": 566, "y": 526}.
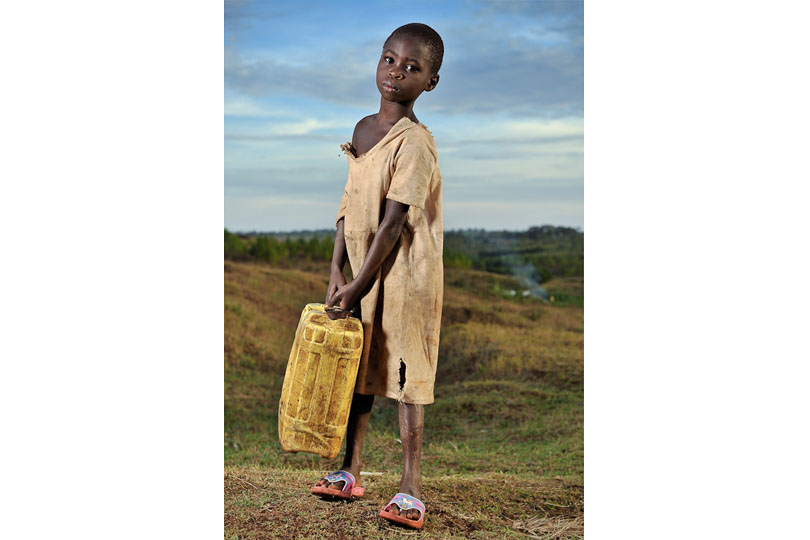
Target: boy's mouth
{"x": 389, "y": 87}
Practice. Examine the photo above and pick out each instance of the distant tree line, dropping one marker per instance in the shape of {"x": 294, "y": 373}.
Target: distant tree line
{"x": 270, "y": 249}
{"x": 538, "y": 254}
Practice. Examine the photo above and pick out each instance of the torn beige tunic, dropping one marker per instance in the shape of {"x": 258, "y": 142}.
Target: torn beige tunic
{"x": 402, "y": 311}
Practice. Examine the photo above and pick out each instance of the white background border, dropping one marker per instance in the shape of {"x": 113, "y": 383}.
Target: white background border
{"x": 112, "y": 210}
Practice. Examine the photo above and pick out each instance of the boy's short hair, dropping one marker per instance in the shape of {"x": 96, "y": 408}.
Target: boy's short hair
{"x": 426, "y": 35}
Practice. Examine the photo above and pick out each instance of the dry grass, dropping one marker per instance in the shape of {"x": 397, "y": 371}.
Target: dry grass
{"x": 484, "y": 335}
{"x": 488, "y": 336}
{"x": 552, "y": 528}
{"x": 277, "y": 504}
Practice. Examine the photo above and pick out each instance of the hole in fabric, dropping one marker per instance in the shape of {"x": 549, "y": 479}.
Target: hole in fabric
{"x": 401, "y": 375}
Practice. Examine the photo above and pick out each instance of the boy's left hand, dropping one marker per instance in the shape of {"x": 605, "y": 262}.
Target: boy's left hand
{"x": 348, "y": 295}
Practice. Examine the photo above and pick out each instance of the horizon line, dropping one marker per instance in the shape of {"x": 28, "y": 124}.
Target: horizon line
{"x": 256, "y": 231}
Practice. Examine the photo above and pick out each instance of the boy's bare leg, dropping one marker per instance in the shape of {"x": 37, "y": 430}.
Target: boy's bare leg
{"x": 411, "y": 425}
{"x": 359, "y": 415}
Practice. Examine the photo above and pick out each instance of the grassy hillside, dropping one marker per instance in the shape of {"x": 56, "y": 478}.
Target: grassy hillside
{"x": 503, "y": 444}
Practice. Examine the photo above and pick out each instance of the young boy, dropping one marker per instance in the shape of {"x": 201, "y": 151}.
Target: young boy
{"x": 389, "y": 226}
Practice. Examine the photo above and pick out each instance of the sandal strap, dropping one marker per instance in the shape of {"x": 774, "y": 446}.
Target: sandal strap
{"x": 406, "y": 502}
{"x": 341, "y": 476}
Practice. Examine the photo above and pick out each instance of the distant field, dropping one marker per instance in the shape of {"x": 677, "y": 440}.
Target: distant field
{"x": 503, "y": 450}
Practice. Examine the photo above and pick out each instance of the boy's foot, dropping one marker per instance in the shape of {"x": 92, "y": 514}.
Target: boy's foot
{"x": 412, "y": 488}
{"x": 406, "y": 510}
{"x": 410, "y": 513}
{"x": 324, "y": 482}
{"x": 341, "y": 484}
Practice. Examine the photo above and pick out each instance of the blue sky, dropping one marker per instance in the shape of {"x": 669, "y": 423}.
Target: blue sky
{"x": 507, "y": 114}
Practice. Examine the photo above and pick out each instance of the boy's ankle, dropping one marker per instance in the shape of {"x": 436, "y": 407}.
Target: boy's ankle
{"x": 412, "y": 490}
{"x": 354, "y": 471}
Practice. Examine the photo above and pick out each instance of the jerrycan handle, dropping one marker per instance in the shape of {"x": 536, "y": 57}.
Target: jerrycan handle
{"x": 344, "y": 313}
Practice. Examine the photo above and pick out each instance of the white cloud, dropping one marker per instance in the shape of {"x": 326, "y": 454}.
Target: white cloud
{"x": 304, "y": 126}
{"x": 544, "y": 128}
{"x": 247, "y": 107}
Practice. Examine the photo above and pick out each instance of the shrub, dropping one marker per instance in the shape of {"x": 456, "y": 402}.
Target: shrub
{"x": 235, "y": 248}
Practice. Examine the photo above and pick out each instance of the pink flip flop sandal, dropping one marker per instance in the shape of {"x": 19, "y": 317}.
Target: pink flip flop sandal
{"x": 404, "y": 502}
{"x": 348, "y": 490}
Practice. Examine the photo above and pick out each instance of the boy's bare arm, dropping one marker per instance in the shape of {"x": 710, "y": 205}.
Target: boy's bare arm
{"x": 339, "y": 256}
{"x": 384, "y": 241}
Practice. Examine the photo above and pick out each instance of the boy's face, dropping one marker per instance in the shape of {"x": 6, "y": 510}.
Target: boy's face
{"x": 405, "y": 70}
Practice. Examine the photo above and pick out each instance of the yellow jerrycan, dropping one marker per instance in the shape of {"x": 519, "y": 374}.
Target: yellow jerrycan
{"x": 319, "y": 383}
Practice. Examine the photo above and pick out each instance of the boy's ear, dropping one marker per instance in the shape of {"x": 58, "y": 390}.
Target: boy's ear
{"x": 434, "y": 80}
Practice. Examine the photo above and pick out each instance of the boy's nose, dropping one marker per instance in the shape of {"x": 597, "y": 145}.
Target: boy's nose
{"x": 397, "y": 74}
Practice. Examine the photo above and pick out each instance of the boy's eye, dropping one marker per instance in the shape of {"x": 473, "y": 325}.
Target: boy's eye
{"x": 388, "y": 59}
{"x": 411, "y": 67}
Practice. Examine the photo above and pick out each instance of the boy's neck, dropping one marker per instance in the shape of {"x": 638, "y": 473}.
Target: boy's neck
{"x": 392, "y": 112}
